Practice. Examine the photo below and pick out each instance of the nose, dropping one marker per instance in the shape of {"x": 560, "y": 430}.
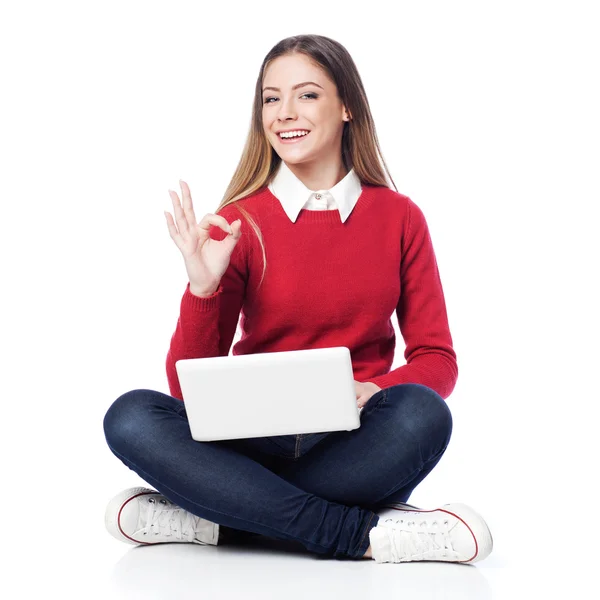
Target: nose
{"x": 286, "y": 110}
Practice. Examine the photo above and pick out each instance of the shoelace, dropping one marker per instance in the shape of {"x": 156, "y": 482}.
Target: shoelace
{"x": 168, "y": 522}
{"x": 407, "y": 542}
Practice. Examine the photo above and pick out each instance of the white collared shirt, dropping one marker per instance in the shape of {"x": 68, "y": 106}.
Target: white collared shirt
{"x": 294, "y": 195}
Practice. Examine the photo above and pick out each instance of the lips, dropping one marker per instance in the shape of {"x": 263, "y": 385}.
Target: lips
{"x": 292, "y": 140}
{"x": 290, "y": 130}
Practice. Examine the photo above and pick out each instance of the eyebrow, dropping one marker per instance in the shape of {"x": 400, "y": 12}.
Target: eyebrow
{"x": 298, "y": 85}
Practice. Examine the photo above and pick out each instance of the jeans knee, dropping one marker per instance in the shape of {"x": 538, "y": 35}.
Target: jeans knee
{"x": 122, "y": 420}
{"x": 424, "y": 412}
{"x": 441, "y": 417}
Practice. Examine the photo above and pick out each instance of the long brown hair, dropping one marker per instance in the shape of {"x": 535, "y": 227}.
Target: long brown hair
{"x": 360, "y": 147}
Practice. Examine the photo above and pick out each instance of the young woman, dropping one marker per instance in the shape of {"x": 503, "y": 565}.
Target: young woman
{"x": 315, "y": 250}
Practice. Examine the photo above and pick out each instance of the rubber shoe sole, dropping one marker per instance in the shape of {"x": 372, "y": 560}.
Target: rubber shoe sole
{"x": 126, "y": 519}
{"x": 469, "y": 534}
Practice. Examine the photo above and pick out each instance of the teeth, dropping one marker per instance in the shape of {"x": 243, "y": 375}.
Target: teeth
{"x": 293, "y": 134}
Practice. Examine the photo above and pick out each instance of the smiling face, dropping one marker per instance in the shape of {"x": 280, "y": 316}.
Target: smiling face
{"x": 314, "y": 107}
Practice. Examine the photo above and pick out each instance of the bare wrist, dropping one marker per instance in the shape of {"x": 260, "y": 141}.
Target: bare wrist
{"x": 202, "y": 293}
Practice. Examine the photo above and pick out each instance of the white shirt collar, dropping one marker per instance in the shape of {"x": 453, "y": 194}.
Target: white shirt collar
{"x": 294, "y": 195}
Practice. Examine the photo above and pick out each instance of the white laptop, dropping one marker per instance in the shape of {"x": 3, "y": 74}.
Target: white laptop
{"x": 268, "y": 394}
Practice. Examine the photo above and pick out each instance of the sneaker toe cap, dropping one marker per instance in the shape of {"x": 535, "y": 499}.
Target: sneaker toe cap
{"x": 123, "y": 513}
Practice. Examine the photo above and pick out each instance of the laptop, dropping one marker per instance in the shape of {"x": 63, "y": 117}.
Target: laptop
{"x": 268, "y": 394}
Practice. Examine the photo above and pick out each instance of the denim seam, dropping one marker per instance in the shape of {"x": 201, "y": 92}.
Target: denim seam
{"x": 309, "y": 437}
{"x": 121, "y": 457}
{"x": 367, "y": 529}
{"x": 297, "y": 451}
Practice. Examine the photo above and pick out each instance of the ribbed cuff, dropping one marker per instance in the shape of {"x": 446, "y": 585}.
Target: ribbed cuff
{"x": 195, "y": 303}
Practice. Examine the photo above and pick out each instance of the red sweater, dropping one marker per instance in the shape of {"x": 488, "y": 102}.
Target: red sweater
{"x": 326, "y": 284}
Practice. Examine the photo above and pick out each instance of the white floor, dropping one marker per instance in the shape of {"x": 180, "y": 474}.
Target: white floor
{"x": 524, "y": 456}
{"x": 60, "y": 546}
{"x": 487, "y": 116}
{"x": 531, "y": 478}
{"x": 84, "y": 562}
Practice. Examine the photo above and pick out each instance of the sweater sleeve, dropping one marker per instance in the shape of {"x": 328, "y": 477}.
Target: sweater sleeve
{"x": 422, "y": 318}
{"x": 206, "y": 326}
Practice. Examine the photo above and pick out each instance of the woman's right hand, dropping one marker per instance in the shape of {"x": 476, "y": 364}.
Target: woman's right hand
{"x": 205, "y": 259}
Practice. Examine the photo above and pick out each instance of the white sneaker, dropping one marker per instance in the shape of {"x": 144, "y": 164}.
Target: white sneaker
{"x": 453, "y": 533}
{"x": 143, "y": 516}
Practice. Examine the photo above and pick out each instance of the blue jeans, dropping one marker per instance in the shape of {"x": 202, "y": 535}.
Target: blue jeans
{"x": 319, "y": 489}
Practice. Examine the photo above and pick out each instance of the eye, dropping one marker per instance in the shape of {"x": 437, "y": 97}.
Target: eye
{"x": 266, "y": 101}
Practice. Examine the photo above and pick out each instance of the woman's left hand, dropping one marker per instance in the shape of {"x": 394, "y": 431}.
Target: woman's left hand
{"x": 364, "y": 390}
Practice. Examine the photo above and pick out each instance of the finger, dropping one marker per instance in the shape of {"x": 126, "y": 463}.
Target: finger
{"x": 172, "y": 229}
{"x": 211, "y": 219}
{"x": 188, "y": 207}
{"x": 180, "y": 217}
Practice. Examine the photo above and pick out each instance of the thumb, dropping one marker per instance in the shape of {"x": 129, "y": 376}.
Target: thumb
{"x": 236, "y": 228}
{"x": 230, "y": 239}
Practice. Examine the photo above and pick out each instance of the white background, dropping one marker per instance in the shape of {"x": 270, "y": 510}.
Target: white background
{"x": 487, "y": 115}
